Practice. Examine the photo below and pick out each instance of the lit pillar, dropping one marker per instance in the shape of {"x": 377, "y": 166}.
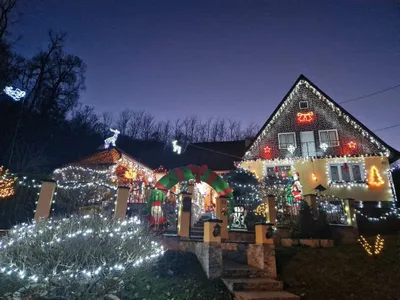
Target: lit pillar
{"x": 221, "y": 211}
{"x": 264, "y": 234}
{"x": 270, "y": 201}
{"x": 262, "y": 254}
{"x": 350, "y": 211}
{"x": 311, "y": 200}
{"x": 185, "y": 212}
{"x": 45, "y": 199}
{"x": 212, "y": 231}
{"x": 121, "y": 203}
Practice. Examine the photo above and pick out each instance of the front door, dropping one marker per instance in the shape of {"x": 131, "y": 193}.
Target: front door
{"x": 308, "y": 143}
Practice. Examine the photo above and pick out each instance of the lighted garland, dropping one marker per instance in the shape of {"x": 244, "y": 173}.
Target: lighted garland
{"x": 245, "y": 185}
{"x": 76, "y": 252}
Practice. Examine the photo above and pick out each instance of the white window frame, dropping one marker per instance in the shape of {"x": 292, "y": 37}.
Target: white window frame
{"x": 273, "y": 166}
{"x": 329, "y": 130}
{"x": 350, "y": 164}
{"x": 279, "y": 140}
{"x": 303, "y": 101}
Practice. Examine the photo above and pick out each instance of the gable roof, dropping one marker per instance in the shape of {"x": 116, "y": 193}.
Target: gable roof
{"x": 302, "y": 80}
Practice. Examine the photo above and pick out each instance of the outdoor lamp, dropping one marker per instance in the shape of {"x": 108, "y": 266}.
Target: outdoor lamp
{"x": 217, "y": 230}
{"x": 270, "y": 232}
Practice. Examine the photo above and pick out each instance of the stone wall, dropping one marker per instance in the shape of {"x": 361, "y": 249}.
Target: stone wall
{"x": 344, "y": 234}
{"x": 242, "y": 236}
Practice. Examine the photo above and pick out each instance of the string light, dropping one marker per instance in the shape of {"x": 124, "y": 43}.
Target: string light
{"x": 372, "y": 250}
{"x": 375, "y": 179}
{"x": 14, "y": 93}
{"x": 291, "y": 149}
{"x": 6, "y": 183}
{"x": 303, "y": 118}
{"x": 252, "y": 152}
{"x": 52, "y": 233}
{"x": 112, "y": 139}
{"x": 175, "y": 147}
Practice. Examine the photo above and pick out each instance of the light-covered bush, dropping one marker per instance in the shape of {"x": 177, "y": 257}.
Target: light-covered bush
{"x": 81, "y": 257}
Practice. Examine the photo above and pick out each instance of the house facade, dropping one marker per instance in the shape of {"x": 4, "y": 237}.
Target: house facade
{"x": 313, "y": 137}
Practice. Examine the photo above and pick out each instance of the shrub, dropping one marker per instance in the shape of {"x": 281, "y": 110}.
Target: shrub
{"x": 81, "y": 257}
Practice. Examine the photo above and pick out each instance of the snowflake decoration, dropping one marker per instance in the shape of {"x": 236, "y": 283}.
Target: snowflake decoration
{"x": 324, "y": 146}
{"x": 291, "y": 148}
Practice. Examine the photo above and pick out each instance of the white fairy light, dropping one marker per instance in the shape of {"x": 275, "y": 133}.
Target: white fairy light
{"x": 14, "y": 93}
{"x": 291, "y": 149}
{"x": 175, "y": 147}
{"x": 324, "y": 146}
{"x": 112, "y": 139}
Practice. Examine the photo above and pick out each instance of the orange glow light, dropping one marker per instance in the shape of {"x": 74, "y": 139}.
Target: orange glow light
{"x": 307, "y": 117}
{"x": 352, "y": 145}
{"x": 375, "y": 179}
{"x": 314, "y": 176}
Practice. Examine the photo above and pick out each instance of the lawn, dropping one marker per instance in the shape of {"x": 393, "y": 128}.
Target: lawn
{"x": 178, "y": 276}
{"x": 341, "y": 273}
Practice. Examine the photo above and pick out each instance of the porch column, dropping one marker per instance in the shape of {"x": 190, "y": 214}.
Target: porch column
{"x": 45, "y": 199}
{"x": 350, "y": 211}
{"x": 185, "y": 213}
{"x": 311, "y": 200}
{"x": 212, "y": 231}
{"x": 270, "y": 200}
{"x": 221, "y": 211}
{"x": 121, "y": 203}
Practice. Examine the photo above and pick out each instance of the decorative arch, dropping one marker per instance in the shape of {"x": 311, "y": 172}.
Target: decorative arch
{"x": 177, "y": 175}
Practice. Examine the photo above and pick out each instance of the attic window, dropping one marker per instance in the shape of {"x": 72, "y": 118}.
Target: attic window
{"x": 303, "y": 104}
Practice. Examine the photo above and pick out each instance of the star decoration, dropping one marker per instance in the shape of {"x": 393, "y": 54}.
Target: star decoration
{"x": 352, "y": 145}
{"x": 324, "y": 146}
{"x": 267, "y": 149}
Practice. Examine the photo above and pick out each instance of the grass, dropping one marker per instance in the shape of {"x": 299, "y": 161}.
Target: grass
{"x": 178, "y": 276}
{"x": 341, "y": 273}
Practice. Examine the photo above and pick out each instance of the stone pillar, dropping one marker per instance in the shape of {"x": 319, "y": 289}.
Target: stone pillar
{"x": 270, "y": 200}
{"x": 262, "y": 254}
{"x": 221, "y": 211}
{"x": 209, "y": 231}
{"x": 261, "y": 234}
{"x": 45, "y": 199}
{"x": 121, "y": 203}
{"x": 351, "y": 213}
{"x": 184, "y": 213}
{"x": 311, "y": 200}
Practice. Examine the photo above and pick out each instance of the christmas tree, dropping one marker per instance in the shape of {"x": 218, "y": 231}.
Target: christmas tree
{"x": 245, "y": 185}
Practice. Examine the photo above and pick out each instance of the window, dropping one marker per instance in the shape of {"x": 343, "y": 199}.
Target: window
{"x": 278, "y": 171}
{"x": 330, "y": 137}
{"x": 286, "y": 139}
{"x": 303, "y": 104}
{"x": 342, "y": 173}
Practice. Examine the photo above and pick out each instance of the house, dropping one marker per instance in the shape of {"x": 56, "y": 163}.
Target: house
{"x": 312, "y": 136}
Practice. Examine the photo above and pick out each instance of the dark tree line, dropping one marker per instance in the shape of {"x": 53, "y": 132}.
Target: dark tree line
{"x": 50, "y": 127}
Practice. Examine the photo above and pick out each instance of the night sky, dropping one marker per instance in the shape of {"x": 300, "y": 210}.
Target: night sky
{"x": 226, "y": 58}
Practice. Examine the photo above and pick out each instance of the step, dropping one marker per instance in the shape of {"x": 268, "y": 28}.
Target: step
{"x": 252, "y": 284}
{"x": 262, "y": 295}
{"x": 233, "y": 269}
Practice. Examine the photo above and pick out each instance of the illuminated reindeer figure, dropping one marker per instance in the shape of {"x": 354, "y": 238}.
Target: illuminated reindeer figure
{"x": 111, "y": 139}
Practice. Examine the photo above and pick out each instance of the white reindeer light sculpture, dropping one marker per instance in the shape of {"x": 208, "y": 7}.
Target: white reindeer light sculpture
{"x": 112, "y": 139}
{"x": 176, "y": 147}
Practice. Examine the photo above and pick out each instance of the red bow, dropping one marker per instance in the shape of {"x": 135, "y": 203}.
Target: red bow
{"x": 198, "y": 171}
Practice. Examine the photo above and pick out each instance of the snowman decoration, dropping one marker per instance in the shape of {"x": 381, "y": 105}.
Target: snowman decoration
{"x": 296, "y": 187}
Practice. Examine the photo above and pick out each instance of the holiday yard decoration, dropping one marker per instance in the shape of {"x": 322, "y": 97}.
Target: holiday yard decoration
{"x": 374, "y": 250}
{"x": 7, "y": 182}
{"x": 112, "y": 139}
{"x": 81, "y": 257}
{"x": 180, "y": 175}
{"x": 375, "y": 179}
{"x": 14, "y": 93}
{"x": 305, "y": 118}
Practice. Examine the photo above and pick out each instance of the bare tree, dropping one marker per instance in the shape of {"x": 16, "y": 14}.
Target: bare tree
{"x": 53, "y": 79}
{"x": 250, "y": 131}
{"x": 234, "y": 130}
{"x": 6, "y": 7}
{"x": 106, "y": 121}
{"x": 177, "y": 131}
{"x": 135, "y": 126}
{"x": 148, "y": 126}
{"x": 125, "y": 117}
{"x": 84, "y": 118}
{"x": 201, "y": 131}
